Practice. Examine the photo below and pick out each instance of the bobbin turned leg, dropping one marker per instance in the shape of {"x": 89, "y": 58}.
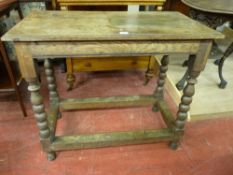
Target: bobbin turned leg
{"x": 198, "y": 65}
{"x": 184, "y": 107}
{"x": 159, "y": 92}
{"x": 41, "y": 117}
{"x": 51, "y": 80}
{"x": 28, "y": 71}
{"x": 53, "y": 95}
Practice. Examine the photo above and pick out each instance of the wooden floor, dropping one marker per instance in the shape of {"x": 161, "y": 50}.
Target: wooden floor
{"x": 209, "y": 100}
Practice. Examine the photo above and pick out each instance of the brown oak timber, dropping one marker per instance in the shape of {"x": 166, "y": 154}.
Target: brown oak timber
{"x": 111, "y": 139}
{"x": 103, "y": 34}
{"x": 107, "y": 102}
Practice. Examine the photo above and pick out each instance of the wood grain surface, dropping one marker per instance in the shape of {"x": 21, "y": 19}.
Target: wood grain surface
{"x": 85, "y": 26}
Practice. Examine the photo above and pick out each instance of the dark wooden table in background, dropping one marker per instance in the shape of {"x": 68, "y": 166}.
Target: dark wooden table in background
{"x": 214, "y": 13}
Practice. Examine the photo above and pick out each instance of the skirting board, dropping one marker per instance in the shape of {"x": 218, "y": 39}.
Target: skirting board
{"x": 209, "y": 100}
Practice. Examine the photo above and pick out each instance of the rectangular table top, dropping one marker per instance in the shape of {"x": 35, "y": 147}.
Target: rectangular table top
{"x": 86, "y": 26}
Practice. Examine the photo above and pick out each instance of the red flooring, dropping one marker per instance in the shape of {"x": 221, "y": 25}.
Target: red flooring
{"x": 207, "y": 147}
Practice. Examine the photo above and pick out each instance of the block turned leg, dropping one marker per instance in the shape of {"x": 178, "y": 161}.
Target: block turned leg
{"x": 161, "y": 80}
{"x": 41, "y": 117}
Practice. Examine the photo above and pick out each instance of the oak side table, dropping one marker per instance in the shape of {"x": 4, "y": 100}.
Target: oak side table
{"x": 84, "y": 34}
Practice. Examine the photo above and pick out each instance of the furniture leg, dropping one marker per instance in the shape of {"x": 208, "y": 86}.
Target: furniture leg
{"x": 19, "y": 10}
{"x": 19, "y": 97}
{"x": 63, "y": 65}
{"x": 223, "y": 82}
{"x": 28, "y": 71}
{"x": 53, "y": 95}
{"x": 197, "y": 65}
{"x": 70, "y": 77}
{"x": 51, "y": 80}
{"x": 41, "y": 117}
{"x": 150, "y": 70}
{"x": 159, "y": 92}
{"x": 184, "y": 106}
{"x": 12, "y": 78}
{"x": 180, "y": 85}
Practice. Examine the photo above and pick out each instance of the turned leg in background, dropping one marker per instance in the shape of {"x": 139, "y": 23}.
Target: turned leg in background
{"x": 70, "y": 77}
{"x": 150, "y": 72}
{"x": 159, "y": 92}
{"x": 51, "y": 80}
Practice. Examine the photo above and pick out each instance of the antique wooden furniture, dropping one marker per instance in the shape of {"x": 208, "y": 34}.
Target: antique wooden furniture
{"x": 176, "y": 5}
{"x": 48, "y": 3}
{"x": 213, "y": 6}
{"x": 213, "y": 13}
{"x": 7, "y": 5}
{"x": 64, "y": 4}
{"x": 112, "y": 63}
{"x": 86, "y": 34}
{"x": 9, "y": 79}
{"x": 229, "y": 33}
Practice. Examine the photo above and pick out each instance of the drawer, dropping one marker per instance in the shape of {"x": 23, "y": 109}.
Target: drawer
{"x": 109, "y": 63}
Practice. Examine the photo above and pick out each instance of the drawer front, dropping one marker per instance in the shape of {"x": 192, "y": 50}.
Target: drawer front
{"x": 109, "y": 63}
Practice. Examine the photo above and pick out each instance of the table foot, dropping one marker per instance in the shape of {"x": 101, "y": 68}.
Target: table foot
{"x": 173, "y": 145}
{"x": 51, "y": 156}
{"x": 70, "y": 81}
{"x": 223, "y": 84}
{"x": 59, "y": 115}
{"x": 155, "y": 108}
